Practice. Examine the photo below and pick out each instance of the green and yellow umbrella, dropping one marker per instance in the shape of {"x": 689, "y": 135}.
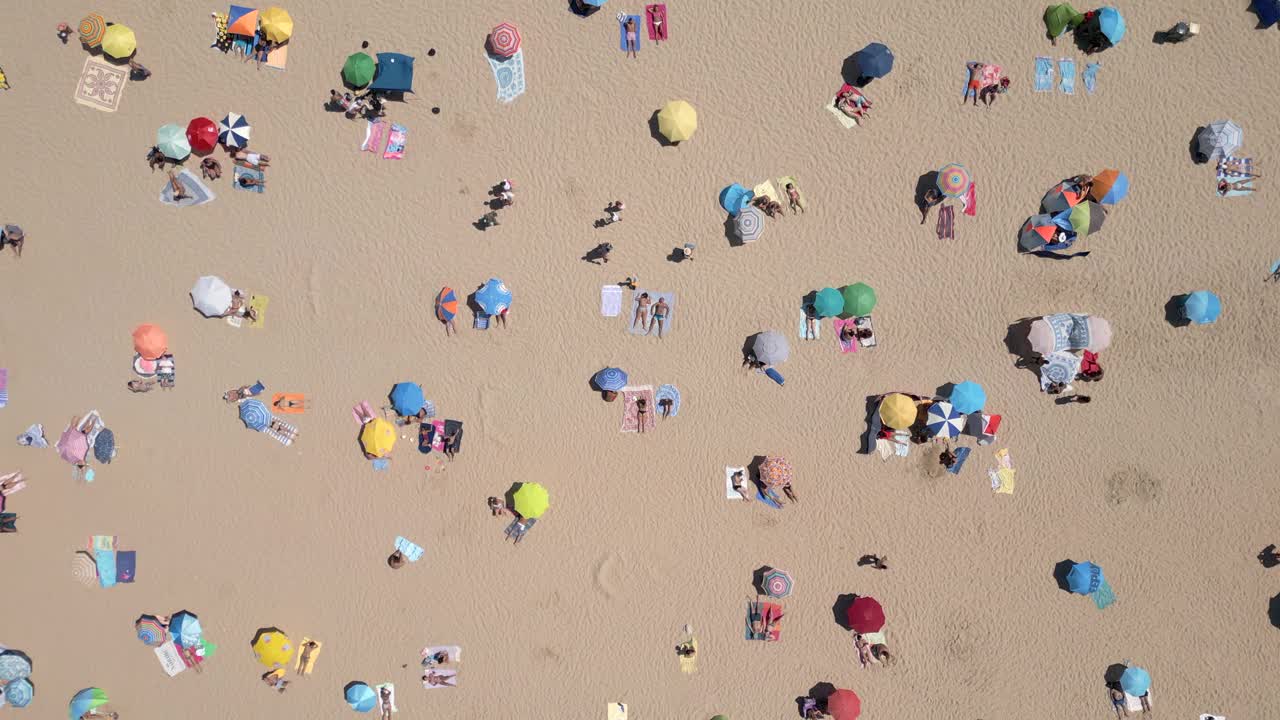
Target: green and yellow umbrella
{"x": 531, "y": 500}
{"x": 86, "y": 700}
{"x": 119, "y": 42}
{"x": 358, "y": 69}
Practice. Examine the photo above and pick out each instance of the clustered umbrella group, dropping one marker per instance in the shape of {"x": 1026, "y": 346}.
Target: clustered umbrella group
{"x": 393, "y": 72}
{"x": 202, "y": 135}
{"x": 942, "y": 418}
{"x": 1096, "y": 30}
{"x": 116, "y": 41}
{"x": 1072, "y": 210}
{"x": 15, "y": 678}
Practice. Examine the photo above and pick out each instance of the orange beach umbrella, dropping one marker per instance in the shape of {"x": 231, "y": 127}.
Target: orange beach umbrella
{"x": 150, "y": 341}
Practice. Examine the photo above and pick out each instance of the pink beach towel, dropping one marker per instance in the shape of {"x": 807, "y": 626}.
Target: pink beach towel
{"x": 838, "y": 324}
{"x": 991, "y": 75}
{"x": 437, "y": 439}
{"x": 659, "y": 31}
{"x": 395, "y": 143}
{"x": 631, "y": 418}
{"x": 374, "y": 136}
{"x": 970, "y": 201}
{"x": 362, "y": 412}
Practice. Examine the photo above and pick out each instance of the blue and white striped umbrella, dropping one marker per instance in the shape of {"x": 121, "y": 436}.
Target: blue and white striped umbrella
{"x": 234, "y": 130}
{"x": 255, "y": 415}
{"x": 944, "y": 420}
{"x": 494, "y": 297}
{"x": 185, "y": 629}
{"x": 611, "y": 379}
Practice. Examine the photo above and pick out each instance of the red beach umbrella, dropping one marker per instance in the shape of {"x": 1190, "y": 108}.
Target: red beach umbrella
{"x": 150, "y": 341}
{"x": 202, "y": 133}
{"x": 504, "y": 41}
{"x": 866, "y": 615}
{"x": 844, "y": 705}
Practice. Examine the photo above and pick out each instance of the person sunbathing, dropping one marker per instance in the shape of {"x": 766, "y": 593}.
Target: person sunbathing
{"x": 848, "y": 333}
{"x": 238, "y": 394}
{"x": 435, "y": 659}
{"x": 737, "y": 483}
{"x": 308, "y": 649}
{"x": 932, "y": 198}
{"x": 246, "y": 181}
{"x": 179, "y": 192}
{"x": 498, "y": 507}
{"x": 793, "y": 198}
{"x": 284, "y": 429}
{"x": 853, "y": 104}
{"x": 140, "y": 386}
{"x": 1225, "y": 186}
{"x": 631, "y": 35}
{"x": 791, "y": 495}
{"x": 990, "y": 92}
{"x": 660, "y": 311}
{"x": 435, "y": 679}
{"x": 664, "y": 407}
{"x": 251, "y": 158}
{"x": 975, "y": 83}
{"x": 864, "y": 649}
{"x": 655, "y": 17}
{"x": 396, "y": 560}
{"x": 880, "y": 653}
{"x": 450, "y": 447}
{"x": 286, "y": 403}
{"x": 210, "y": 168}
{"x": 642, "y": 409}
{"x": 1084, "y": 182}
{"x": 155, "y": 158}
{"x": 12, "y": 236}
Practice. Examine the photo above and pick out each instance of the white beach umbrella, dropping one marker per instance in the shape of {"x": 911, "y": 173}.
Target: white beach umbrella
{"x": 211, "y": 296}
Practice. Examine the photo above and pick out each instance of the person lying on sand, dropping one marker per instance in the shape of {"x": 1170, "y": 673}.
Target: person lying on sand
{"x": 498, "y": 507}
{"x": 975, "y": 82}
{"x": 210, "y": 169}
{"x": 854, "y": 104}
{"x": 179, "y": 192}
{"x": 246, "y": 181}
{"x": 140, "y": 386}
{"x": 276, "y": 681}
{"x": 435, "y": 679}
{"x": 879, "y": 562}
{"x": 251, "y": 158}
{"x": 932, "y": 198}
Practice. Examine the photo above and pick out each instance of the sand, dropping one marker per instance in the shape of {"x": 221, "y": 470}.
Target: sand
{"x": 1165, "y": 479}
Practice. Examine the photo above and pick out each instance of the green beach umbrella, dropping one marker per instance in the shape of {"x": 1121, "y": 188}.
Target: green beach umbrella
{"x": 1085, "y": 218}
{"x": 859, "y": 299}
{"x": 1057, "y": 18}
{"x": 172, "y": 141}
{"x": 358, "y": 70}
{"x": 86, "y": 700}
{"x": 828, "y": 303}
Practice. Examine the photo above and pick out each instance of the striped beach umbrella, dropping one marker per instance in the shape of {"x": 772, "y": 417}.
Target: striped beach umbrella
{"x": 775, "y": 471}
{"x": 172, "y": 141}
{"x": 119, "y": 42}
{"x": 184, "y": 628}
{"x": 1083, "y": 219}
{"x": 1109, "y": 187}
{"x": 86, "y": 700}
{"x": 953, "y": 180}
{"x": 255, "y": 415}
{"x": 944, "y": 421}
{"x": 18, "y": 693}
{"x": 447, "y": 304}
{"x": 150, "y": 630}
{"x": 360, "y": 696}
{"x": 611, "y": 379}
{"x": 234, "y": 130}
{"x": 359, "y": 69}
{"x": 84, "y": 569}
{"x": 504, "y": 40}
{"x": 749, "y": 225}
{"x": 1063, "y": 196}
{"x": 92, "y": 27}
{"x": 776, "y": 583}
{"x": 494, "y": 297}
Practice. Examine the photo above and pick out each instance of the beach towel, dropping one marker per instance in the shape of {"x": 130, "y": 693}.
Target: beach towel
{"x": 630, "y": 416}
{"x": 668, "y": 322}
{"x": 768, "y": 498}
{"x": 1103, "y": 596}
{"x": 1044, "y": 74}
{"x": 962, "y": 454}
{"x": 803, "y": 328}
{"x": 1234, "y": 170}
{"x": 782, "y": 188}
{"x": 437, "y": 435}
{"x": 658, "y": 31}
{"x": 126, "y": 565}
{"x": 379, "y": 464}
{"x": 4, "y": 387}
{"x": 729, "y": 492}
{"x": 615, "y": 711}
{"x": 429, "y": 652}
{"x": 197, "y": 192}
{"x": 101, "y": 84}
{"x": 970, "y": 200}
{"x": 280, "y": 403}
{"x": 1003, "y": 477}
{"x": 259, "y": 304}
{"x": 764, "y": 613}
{"x": 106, "y": 560}
{"x": 1067, "y": 68}
{"x": 1090, "y": 76}
{"x": 278, "y": 58}
{"x": 362, "y": 412}
{"x": 689, "y": 663}
{"x": 946, "y": 223}
{"x": 285, "y": 436}
{"x": 848, "y": 122}
{"x": 864, "y": 323}
{"x": 481, "y": 322}
{"x": 449, "y": 676}
{"x": 1133, "y": 703}
{"x": 668, "y": 392}
{"x": 622, "y": 31}
{"x": 375, "y": 132}
{"x": 391, "y": 688}
{"x": 508, "y": 75}
{"x": 241, "y": 171}
{"x": 902, "y": 443}
{"x": 766, "y": 189}
{"x": 452, "y": 427}
{"x": 837, "y": 325}
{"x": 311, "y": 659}
{"x": 611, "y": 300}
{"x": 395, "y": 143}
{"x": 411, "y": 552}
{"x": 170, "y": 659}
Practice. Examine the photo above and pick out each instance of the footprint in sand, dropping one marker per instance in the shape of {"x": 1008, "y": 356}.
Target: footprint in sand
{"x": 605, "y": 575}
{"x": 1131, "y": 484}
{"x": 315, "y": 290}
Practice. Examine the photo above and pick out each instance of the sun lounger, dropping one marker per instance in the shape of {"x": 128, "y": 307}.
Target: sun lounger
{"x": 1044, "y": 74}
{"x": 518, "y": 529}
{"x": 285, "y": 435}
{"x": 311, "y": 659}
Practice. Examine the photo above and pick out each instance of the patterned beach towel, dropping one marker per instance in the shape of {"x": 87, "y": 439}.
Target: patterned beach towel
{"x": 374, "y": 136}
{"x": 198, "y": 193}
{"x": 630, "y": 417}
{"x": 946, "y": 223}
{"x": 101, "y": 85}
{"x": 395, "y": 143}
{"x": 1067, "y": 67}
{"x": 1090, "y": 77}
{"x": 508, "y": 75}
{"x": 1044, "y": 74}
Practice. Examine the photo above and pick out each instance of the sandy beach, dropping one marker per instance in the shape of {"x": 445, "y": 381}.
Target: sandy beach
{"x": 1165, "y": 479}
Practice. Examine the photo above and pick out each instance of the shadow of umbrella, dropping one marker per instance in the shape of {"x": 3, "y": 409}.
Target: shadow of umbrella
{"x": 757, "y": 579}
{"x": 656, "y": 134}
{"x": 510, "y": 495}
{"x": 924, "y": 184}
{"x": 840, "y": 610}
{"x": 1017, "y": 340}
{"x": 1273, "y": 611}
{"x": 1173, "y": 311}
{"x": 748, "y": 347}
{"x": 821, "y": 692}
{"x": 1060, "y": 572}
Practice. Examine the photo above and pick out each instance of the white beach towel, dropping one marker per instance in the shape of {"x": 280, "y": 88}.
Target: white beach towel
{"x": 455, "y": 652}
{"x": 616, "y": 711}
{"x": 169, "y": 659}
{"x": 378, "y": 693}
{"x": 848, "y": 122}
{"x": 1134, "y": 704}
{"x": 729, "y": 492}
{"x": 611, "y": 300}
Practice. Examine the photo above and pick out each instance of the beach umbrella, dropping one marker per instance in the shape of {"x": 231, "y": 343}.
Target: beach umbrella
{"x": 234, "y": 130}
{"x": 844, "y": 705}
{"x": 276, "y": 24}
{"x": 184, "y": 628}
{"x": 104, "y": 446}
{"x": 1058, "y": 18}
{"x": 272, "y": 647}
{"x": 14, "y": 664}
{"x": 211, "y": 296}
{"x": 874, "y": 61}
{"x": 1111, "y": 23}
{"x": 530, "y": 500}
{"x": 1202, "y": 307}
{"x": 944, "y": 420}
{"x": 84, "y": 569}
{"x": 611, "y": 379}
{"x": 898, "y": 411}
{"x": 504, "y": 40}
{"x": 172, "y": 141}
{"x": 776, "y": 583}
{"x": 395, "y": 73}
{"x": 865, "y": 615}
{"x": 378, "y": 437}
{"x": 968, "y": 397}
{"x": 18, "y": 693}
{"x": 92, "y": 27}
{"x": 202, "y": 135}
{"x": 1060, "y": 366}
{"x": 242, "y": 21}
{"x": 1219, "y": 139}
{"x": 407, "y": 398}
{"x": 86, "y": 700}
{"x": 749, "y": 225}
{"x": 953, "y": 180}
{"x": 494, "y": 297}
{"x": 446, "y": 304}
{"x": 73, "y": 446}
{"x": 358, "y": 70}
{"x": 828, "y": 303}
{"x": 1083, "y": 219}
{"x": 118, "y": 41}
{"x": 771, "y": 347}
{"x": 859, "y": 299}
{"x": 1109, "y": 187}
{"x": 677, "y": 121}
{"x": 735, "y": 198}
{"x": 1084, "y": 578}
{"x": 1036, "y": 232}
{"x": 1099, "y": 334}
{"x": 150, "y": 630}
{"x": 1135, "y": 681}
{"x": 149, "y": 341}
{"x": 775, "y": 471}
{"x": 360, "y": 697}
{"x": 1063, "y": 196}
{"x": 1268, "y": 11}
{"x": 254, "y": 414}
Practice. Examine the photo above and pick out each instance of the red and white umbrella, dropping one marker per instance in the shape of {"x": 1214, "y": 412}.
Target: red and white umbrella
{"x": 504, "y": 41}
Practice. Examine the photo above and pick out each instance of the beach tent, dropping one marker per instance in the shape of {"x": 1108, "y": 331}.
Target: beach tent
{"x": 1084, "y": 578}
{"x": 1219, "y": 139}
{"x": 898, "y": 411}
{"x": 92, "y": 27}
{"x": 172, "y": 141}
{"x": 844, "y": 705}
{"x": 1060, "y": 18}
{"x": 1083, "y": 219}
{"x": 277, "y": 26}
{"x": 18, "y": 693}
{"x": 1268, "y": 12}
{"x": 771, "y": 347}
{"x": 735, "y": 198}
{"x": 407, "y": 398}
{"x": 1202, "y": 307}
{"x": 119, "y": 42}
{"x": 86, "y": 700}
{"x": 184, "y": 628}
{"x": 150, "y": 630}
{"x": 234, "y": 130}
{"x": 202, "y": 135}
{"x": 828, "y": 303}
{"x": 254, "y": 414}
{"x": 358, "y": 70}
{"x": 446, "y": 304}
{"x": 494, "y": 297}
{"x": 874, "y": 61}
{"x": 504, "y": 40}
{"x": 611, "y": 379}
{"x": 859, "y": 300}
{"x": 953, "y": 180}
{"x": 394, "y": 74}
{"x": 1036, "y": 232}
{"x": 865, "y": 615}
{"x": 242, "y": 21}
{"x": 749, "y": 225}
{"x": 1109, "y": 187}
{"x": 530, "y": 500}
{"x": 378, "y": 437}
{"x": 272, "y": 647}
{"x": 677, "y": 121}
{"x": 1135, "y": 681}
{"x": 968, "y": 397}
{"x": 211, "y": 296}
{"x": 360, "y": 696}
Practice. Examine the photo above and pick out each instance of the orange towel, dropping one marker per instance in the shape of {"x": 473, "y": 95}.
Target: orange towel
{"x": 280, "y": 403}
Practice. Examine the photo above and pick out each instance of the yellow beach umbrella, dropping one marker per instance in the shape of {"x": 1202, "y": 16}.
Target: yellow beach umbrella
{"x": 276, "y": 24}
{"x": 119, "y": 42}
{"x": 531, "y": 500}
{"x": 677, "y": 120}
{"x": 378, "y": 437}
{"x": 898, "y": 411}
{"x": 272, "y": 647}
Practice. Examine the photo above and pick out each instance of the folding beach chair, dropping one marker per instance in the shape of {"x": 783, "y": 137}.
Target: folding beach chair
{"x": 518, "y": 528}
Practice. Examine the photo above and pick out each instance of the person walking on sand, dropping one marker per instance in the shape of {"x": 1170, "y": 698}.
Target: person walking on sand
{"x": 488, "y": 220}
{"x": 498, "y": 507}
{"x": 1269, "y": 557}
{"x": 642, "y": 311}
{"x": 879, "y": 562}
{"x": 630, "y": 28}
{"x": 64, "y": 32}
{"x": 155, "y": 158}
{"x": 660, "y": 310}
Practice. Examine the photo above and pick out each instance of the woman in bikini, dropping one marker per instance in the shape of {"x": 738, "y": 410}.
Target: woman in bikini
{"x": 738, "y": 483}
{"x": 642, "y": 311}
{"x": 660, "y": 311}
{"x": 655, "y": 17}
{"x": 179, "y": 192}
{"x": 630, "y": 27}
{"x": 435, "y": 679}
{"x": 642, "y": 409}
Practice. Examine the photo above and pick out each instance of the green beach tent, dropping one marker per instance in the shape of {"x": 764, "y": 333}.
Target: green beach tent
{"x": 1061, "y": 17}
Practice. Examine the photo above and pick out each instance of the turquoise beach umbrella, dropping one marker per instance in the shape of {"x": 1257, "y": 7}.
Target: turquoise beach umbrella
{"x": 172, "y": 141}
{"x": 828, "y": 303}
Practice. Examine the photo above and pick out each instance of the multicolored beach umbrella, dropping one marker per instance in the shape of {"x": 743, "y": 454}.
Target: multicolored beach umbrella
{"x": 254, "y": 414}
{"x": 18, "y": 693}
{"x": 828, "y": 303}
{"x": 611, "y": 379}
{"x": 1084, "y": 578}
{"x": 504, "y": 40}
{"x": 775, "y": 471}
{"x": 1083, "y": 219}
{"x": 865, "y": 615}
{"x": 242, "y": 21}
{"x": 407, "y": 398}
{"x": 1202, "y": 307}
{"x": 776, "y": 583}
{"x": 359, "y": 69}
{"x": 446, "y": 304}
{"x": 234, "y": 130}
{"x": 494, "y": 297}
{"x": 92, "y": 27}
{"x": 86, "y": 700}
{"x": 953, "y": 180}
{"x": 172, "y": 141}
{"x": 1037, "y": 232}
{"x": 749, "y": 224}
{"x": 944, "y": 420}
{"x": 1109, "y": 187}
{"x": 360, "y": 697}
{"x": 968, "y": 397}
{"x": 1063, "y": 196}
{"x": 150, "y": 630}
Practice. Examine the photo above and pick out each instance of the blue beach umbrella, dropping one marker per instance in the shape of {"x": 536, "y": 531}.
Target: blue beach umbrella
{"x": 394, "y": 74}
{"x": 14, "y": 664}
{"x": 18, "y": 693}
{"x": 185, "y": 629}
{"x": 1202, "y": 307}
{"x": 1112, "y": 24}
{"x": 86, "y": 700}
{"x": 407, "y": 398}
{"x": 255, "y": 415}
{"x": 1268, "y": 11}
{"x": 494, "y": 297}
{"x": 968, "y": 397}
{"x": 360, "y": 697}
{"x": 234, "y": 130}
{"x": 735, "y": 198}
{"x": 874, "y": 60}
{"x": 668, "y": 392}
{"x": 944, "y": 421}
{"x": 611, "y": 379}
{"x": 1084, "y": 578}
{"x": 1135, "y": 681}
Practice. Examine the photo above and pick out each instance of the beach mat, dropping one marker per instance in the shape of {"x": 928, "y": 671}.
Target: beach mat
{"x": 294, "y": 397}
{"x": 1090, "y": 77}
{"x": 101, "y": 84}
{"x": 622, "y": 31}
{"x": 782, "y": 188}
{"x": 426, "y": 437}
{"x": 962, "y": 454}
{"x": 508, "y": 76}
{"x": 656, "y": 33}
{"x": 729, "y": 492}
{"x": 170, "y": 660}
{"x": 126, "y": 565}
{"x": 375, "y": 132}
{"x": 198, "y": 191}
{"x": 668, "y": 392}
{"x": 311, "y": 660}
{"x": 106, "y": 561}
{"x": 630, "y": 418}
{"x": 768, "y": 499}
{"x": 411, "y": 551}
{"x": 278, "y": 58}
{"x": 611, "y": 300}
{"x": 766, "y": 189}
{"x": 802, "y": 330}
{"x": 395, "y": 142}
{"x": 668, "y": 323}
{"x": 377, "y": 690}
{"x": 1067, "y": 68}
{"x": 848, "y": 122}
{"x": 255, "y": 173}
{"x": 1044, "y": 74}
{"x": 437, "y": 435}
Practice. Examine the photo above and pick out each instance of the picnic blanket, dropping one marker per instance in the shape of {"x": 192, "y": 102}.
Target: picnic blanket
{"x": 395, "y": 143}
{"x": 611, "y": 300}
{"x": 630, "y": 417}
{"x": 198, "y": 192}
{"x": 668, "y": 323}
{"x": 962, "y": 454}
{"x": 508, "y": 75}
{"x": 101, "y": 84}
{"x": 1067, "y": 68}
{"x": 656, "y": 31}
{"x": 763, "y": 613}
{"x": 729, "y": 492}
{"x": 1044, "y": 74}
{"x": 1003, "y": 475}
{"x": 255, "y": 173}
{"x": 1090, "y": 76}
{"x": 411, "y": 552}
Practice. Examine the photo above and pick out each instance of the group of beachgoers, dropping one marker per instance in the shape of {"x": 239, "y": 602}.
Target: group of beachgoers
{"x": 854, "y": 103}
{"x": 501, "y": 196}
{"x": 519, "y": 526}
{"x": 985, "y": 89}
{"x": 210, "y": 168}
{"x": 650, "y": 313}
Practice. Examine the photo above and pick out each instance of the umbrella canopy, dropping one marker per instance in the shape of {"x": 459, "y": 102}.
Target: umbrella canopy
{"x": 1135, "y": 681}
{"x": 735, "y": 198}
{"x": 866, "y": 615}
{"x": 874, "y": 60}
{"x": 360, "y": 697}
{"x": 771, "y": 347}
{"x": 1058, "y": 18}
{"x": 234, "y": 130}
{"x": 149, "y": 341}
{"x": 84, "y": 569}
{"x": 1268, "y": 11}
{"x": 953, "y": 180}
{"x": 1099, "y": 334}
{"x": 1084, "y": 578}
{"x": 1111, "y": 23}
{"x": 749, "y": 225}
{"x": 1219, "y": 139}
{"x": 531, "y": 500}
{"x": 944, "y": 420}
{"x": 150, "y": 630}
{"x": 18, "y": 693}
{"x": 378, "y": 437}
{"x": 395, "y": 73}
{"x": 1037, "y": 232}
{"x": 898, "y": 411}
{"x": 73, "y": 446}
{"x": 504, "y": 40}
{"x": 447, "y": 304}
{"x": 254, "y": 414}
{"x": 671, "y": 393}
{"x": 1059, "y": 366}
{"x": 828, "y": 303}
{"x": 611, "y": 379}
{"x": 184, "y": 628}
{"x": 92, "y": 27}
{"x": 1085, "y": 218}
{"x": 1063, "y": 196}
{"x": 242, "y": 21}
{"x": 494, "y": 297}
{"x": 276, "y": 24}
{"x": 104, "y": 446}
{"x": 407, "y": 398}
{"x": 14, "y": 664}
{"x": 172, "y": 141}
{"x": 272, "y": 647}
{"x": 202, "y": 135}
{"x": 844, "y": 705}
{"x": 677, "y": 121}
{"x": 86, "y": 700}
{"x": 118, "y": 41}
{"x": 968, "y": 397}
{"x": 1202, "y": 307}
{"x": 859, "y": 299}
{"x": 359, "y": 69}
{"x": 211, "y": 296}
{"x": 775, "y": 471}
{"x": 1109, "y": 187}
{"x": 776, "y": 583}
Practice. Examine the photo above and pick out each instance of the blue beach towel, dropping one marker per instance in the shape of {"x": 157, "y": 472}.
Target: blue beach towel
{"x": 381, "y": 463}
{"x": 775, "y": 376}
{"x": 508, "y": 75}
{"x": 1067, "y": 67}
{"x": 1090, "y": 77}
{"x": 622, "y": 31}
{"x": 481, "y": 322}
{"x": 249, "y": 172}
{"x": 1103, "y": 596}
{"x": 411, "y": 551}
{"x": 126, "y": 565}
{"x": 106, "y": 560}
{"x": 962, "y": 454}
{"x": 1044, "y": 74}
{"x": 768, "y": 499}
{"x": 668, "y": 392}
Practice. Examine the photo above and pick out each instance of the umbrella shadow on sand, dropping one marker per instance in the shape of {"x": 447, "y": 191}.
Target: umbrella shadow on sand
{"x": 757, "y": 578}
{"x": 1173, "y": 311}
{"x": 753, "y": 471}
{"x": 840, "y": 610}
{"x": 510, "y": 497}
{"x": 1193, "y": 148}
{"x": 820, "y": 693}
{"x": 656, "y": 134}
{"x": 873, "y": 426}
{"x": 748, "y": 348}
{"x": 1017, "y": 340}
{"x": 731, "y": 232}
{"x": 924, "y": 184}
{"x": 1273, "y": 611}
{"x": 1060, "y": 572}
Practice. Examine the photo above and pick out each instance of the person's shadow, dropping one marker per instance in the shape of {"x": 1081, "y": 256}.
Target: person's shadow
{"x": 1268, "y": 557}
{"x": 597, "y": 255}
{"x": 1173, "y": 311}
{"x": 656, "y": 133}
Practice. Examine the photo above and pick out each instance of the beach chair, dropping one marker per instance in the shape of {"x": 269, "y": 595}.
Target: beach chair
{"x": 518, "y": 529}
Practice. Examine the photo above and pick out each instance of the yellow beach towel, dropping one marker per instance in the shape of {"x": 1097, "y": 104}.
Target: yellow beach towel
{"x": 766, "y": 189}
{"x": 259, "y": 304}
{"x": 311, "y": 659}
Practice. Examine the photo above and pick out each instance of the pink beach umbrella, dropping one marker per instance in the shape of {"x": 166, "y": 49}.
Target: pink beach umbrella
{"x": 504, "y": 41}
{"x": 73, "y": 446}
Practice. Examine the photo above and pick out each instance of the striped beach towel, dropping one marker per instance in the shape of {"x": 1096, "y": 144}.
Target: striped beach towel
{"x": 946, "y": 223}
{"x": 1044, "y": 74}
{"x": 1067, "y": 67}
{"x": 284, "y": 436}
{"x": 1227, "y": 166}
